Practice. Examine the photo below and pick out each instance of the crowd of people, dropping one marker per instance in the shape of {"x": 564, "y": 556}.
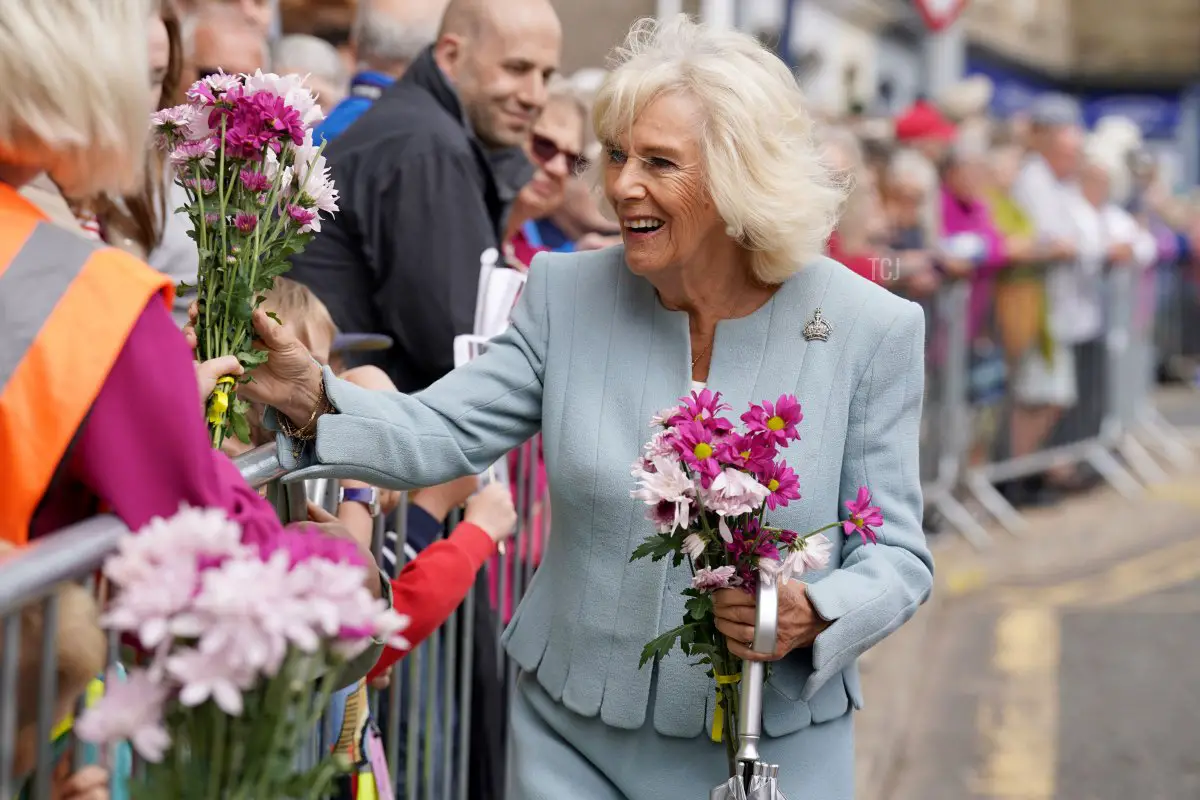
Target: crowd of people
{"x": 452, "y": 138}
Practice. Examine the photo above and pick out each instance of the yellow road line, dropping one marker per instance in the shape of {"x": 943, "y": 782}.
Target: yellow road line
{"x": 1019, "y": 725}
{"x": 1156, "y": 571}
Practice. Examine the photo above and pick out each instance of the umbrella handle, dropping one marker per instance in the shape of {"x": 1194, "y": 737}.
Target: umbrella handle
{"x": 766, "y": 626}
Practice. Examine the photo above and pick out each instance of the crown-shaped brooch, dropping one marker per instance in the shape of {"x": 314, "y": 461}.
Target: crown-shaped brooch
{"x": 817, "y": 328}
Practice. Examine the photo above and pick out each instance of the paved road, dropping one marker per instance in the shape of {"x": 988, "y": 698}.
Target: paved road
{"x": 1072, "y": 675}
{"x": 1180, "y": 405}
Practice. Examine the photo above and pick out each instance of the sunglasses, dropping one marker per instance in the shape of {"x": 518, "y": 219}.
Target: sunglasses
{"x": 546, "y": 150}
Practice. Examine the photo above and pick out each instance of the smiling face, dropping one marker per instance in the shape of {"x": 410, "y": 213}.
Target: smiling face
{"x": 501, "y": 72}
{"x": 555, "y": 147}
{"x": 655, "y": 180}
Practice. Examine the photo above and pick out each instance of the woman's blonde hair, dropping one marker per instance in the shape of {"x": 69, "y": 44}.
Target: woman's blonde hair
{"x": 74, "y": 100}
{"x": 763, "y": 164}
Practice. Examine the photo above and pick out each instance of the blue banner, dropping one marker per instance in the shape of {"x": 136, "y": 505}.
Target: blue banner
{"x": 1156, "y": 113}
{"x": 1013, "y": 92}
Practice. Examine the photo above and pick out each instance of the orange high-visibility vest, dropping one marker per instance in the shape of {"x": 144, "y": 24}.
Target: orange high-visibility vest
{"x": 67, "y": 306}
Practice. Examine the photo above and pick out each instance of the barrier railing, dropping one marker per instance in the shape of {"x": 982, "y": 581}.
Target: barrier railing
{"x": 1113, "y": 427}
{"x": 428, "y": 713}
{"x": 424, "y": 714}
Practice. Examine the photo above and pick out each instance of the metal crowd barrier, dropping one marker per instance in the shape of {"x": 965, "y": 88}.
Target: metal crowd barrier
{"x": 1113, "y": 429}
{"x": 424, "y": 714}
{"x": 1177, "y": 325}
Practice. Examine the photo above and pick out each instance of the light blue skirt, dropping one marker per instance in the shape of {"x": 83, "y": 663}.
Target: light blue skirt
{"x": 558, "y": 754}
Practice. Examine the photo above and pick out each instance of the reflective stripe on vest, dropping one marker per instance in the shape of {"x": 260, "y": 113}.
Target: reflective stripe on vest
{"x": 66, "y": 309}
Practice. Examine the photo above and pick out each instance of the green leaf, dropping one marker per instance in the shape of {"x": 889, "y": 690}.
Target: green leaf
{"x": 275, "y": 317}
{"x": 699, "y": 608}
{"x": 241, "y": 426}
{"x": 656, "y": 548}
{"x": 659, "y": 647}
{"x": 252, "y": 358}
{"x": 687, "y": 638}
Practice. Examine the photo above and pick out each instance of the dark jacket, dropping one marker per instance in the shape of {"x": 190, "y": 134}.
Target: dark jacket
{"x": 419, "y": 205}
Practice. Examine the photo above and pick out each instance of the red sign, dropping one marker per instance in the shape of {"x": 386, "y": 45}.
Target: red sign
{"x": 939, "y": 14}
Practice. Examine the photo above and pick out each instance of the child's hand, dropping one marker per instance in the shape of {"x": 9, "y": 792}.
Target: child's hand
{"x": 492, "y": 509}
{"x": 90, "y": 783}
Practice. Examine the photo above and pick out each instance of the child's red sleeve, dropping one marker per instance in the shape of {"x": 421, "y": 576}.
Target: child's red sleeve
{"x": 434, "y": 584}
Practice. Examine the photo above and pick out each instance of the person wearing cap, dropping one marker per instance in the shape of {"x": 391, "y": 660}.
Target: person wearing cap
{"x": 926, "y": 129}
{"x": 1045, "y": 383}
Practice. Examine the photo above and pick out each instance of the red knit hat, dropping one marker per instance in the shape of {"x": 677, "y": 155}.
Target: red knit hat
{"x": 924, "y": 121}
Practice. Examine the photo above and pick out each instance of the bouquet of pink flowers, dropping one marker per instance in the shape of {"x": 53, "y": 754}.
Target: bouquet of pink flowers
{"x": 245, "y": 636}
{"x": 242, "y": 149}
{"x": 708, "y": 487}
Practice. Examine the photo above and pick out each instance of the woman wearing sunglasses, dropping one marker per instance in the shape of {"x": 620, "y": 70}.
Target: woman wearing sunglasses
{"x": 556, "y": 149}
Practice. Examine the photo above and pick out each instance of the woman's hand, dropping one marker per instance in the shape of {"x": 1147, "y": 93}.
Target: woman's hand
{"x": 799, "y": 623}
{"x": 290, "y": 380}
{"x": 210, "y": 371}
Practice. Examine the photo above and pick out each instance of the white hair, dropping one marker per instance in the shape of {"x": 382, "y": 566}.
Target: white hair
{"x": 299, "y": 52}
{"x": 911, "y": 167}
{"x": 74, "y": 102}
{"x": 1109, "y": 148}
{"x": 765, "y": 170}
{"x": 381, "y": 37}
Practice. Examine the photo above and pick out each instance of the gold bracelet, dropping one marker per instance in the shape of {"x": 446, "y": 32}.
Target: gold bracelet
{"x": 307, "y": 432}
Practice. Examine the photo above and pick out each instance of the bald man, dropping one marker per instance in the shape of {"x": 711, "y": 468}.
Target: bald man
{"x": 222, "y": 37}
{"x": 421, "y": 195}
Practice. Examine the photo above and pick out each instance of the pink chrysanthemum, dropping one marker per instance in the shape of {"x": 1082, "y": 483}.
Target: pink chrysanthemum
{"x": 302, "y": 216}
{"x": 201, "y": 151}
{"x": 753, "y": 453}
{"x": 782, "y": 482}
{"x": 697, "y": 447}
{"x": 260, "y": 121}
{"x": 777, "y": 421}
{"x": 303, "y": 545}
{"x": 172, "y": 124}
{"x": 705, "y": 407}
{"x": 246, "y": 223}
{"x": 254, "y": 181}
{"x": 203, "y": 185}
{"x": 864, "y": 517}
{"x": 213, "y": 88}
{"x": 710, "y": 580}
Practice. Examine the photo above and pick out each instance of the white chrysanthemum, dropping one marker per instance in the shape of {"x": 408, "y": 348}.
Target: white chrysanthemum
{"x": 694, "y": 546}
{"x": 734, "y": 492}
{"x": 667, "y": 485}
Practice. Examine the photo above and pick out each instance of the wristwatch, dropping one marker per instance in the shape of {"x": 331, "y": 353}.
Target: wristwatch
{"x": 368, "y": 497}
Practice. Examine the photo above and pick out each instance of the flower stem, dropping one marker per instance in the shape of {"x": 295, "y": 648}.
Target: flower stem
{"x": 810, "y": 534}
{"x": 217, "y": 767}
{"x": 230, "y": 275}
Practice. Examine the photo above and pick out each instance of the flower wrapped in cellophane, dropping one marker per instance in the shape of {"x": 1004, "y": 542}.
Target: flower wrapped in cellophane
{"x": 245, "y": 637}
{"x": 242, "y": 149}
{"x": 709, "y": 487}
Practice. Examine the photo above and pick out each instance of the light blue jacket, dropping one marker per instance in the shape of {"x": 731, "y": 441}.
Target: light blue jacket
{"x": 591, "y": 355}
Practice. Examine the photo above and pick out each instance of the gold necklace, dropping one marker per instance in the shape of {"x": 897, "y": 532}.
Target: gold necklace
{"x": 728, "y": 313}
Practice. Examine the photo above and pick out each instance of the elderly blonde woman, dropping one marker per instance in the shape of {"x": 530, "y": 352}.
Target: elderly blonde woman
{"x": 710, "y": 163}
{"x": 99, "y": 403}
